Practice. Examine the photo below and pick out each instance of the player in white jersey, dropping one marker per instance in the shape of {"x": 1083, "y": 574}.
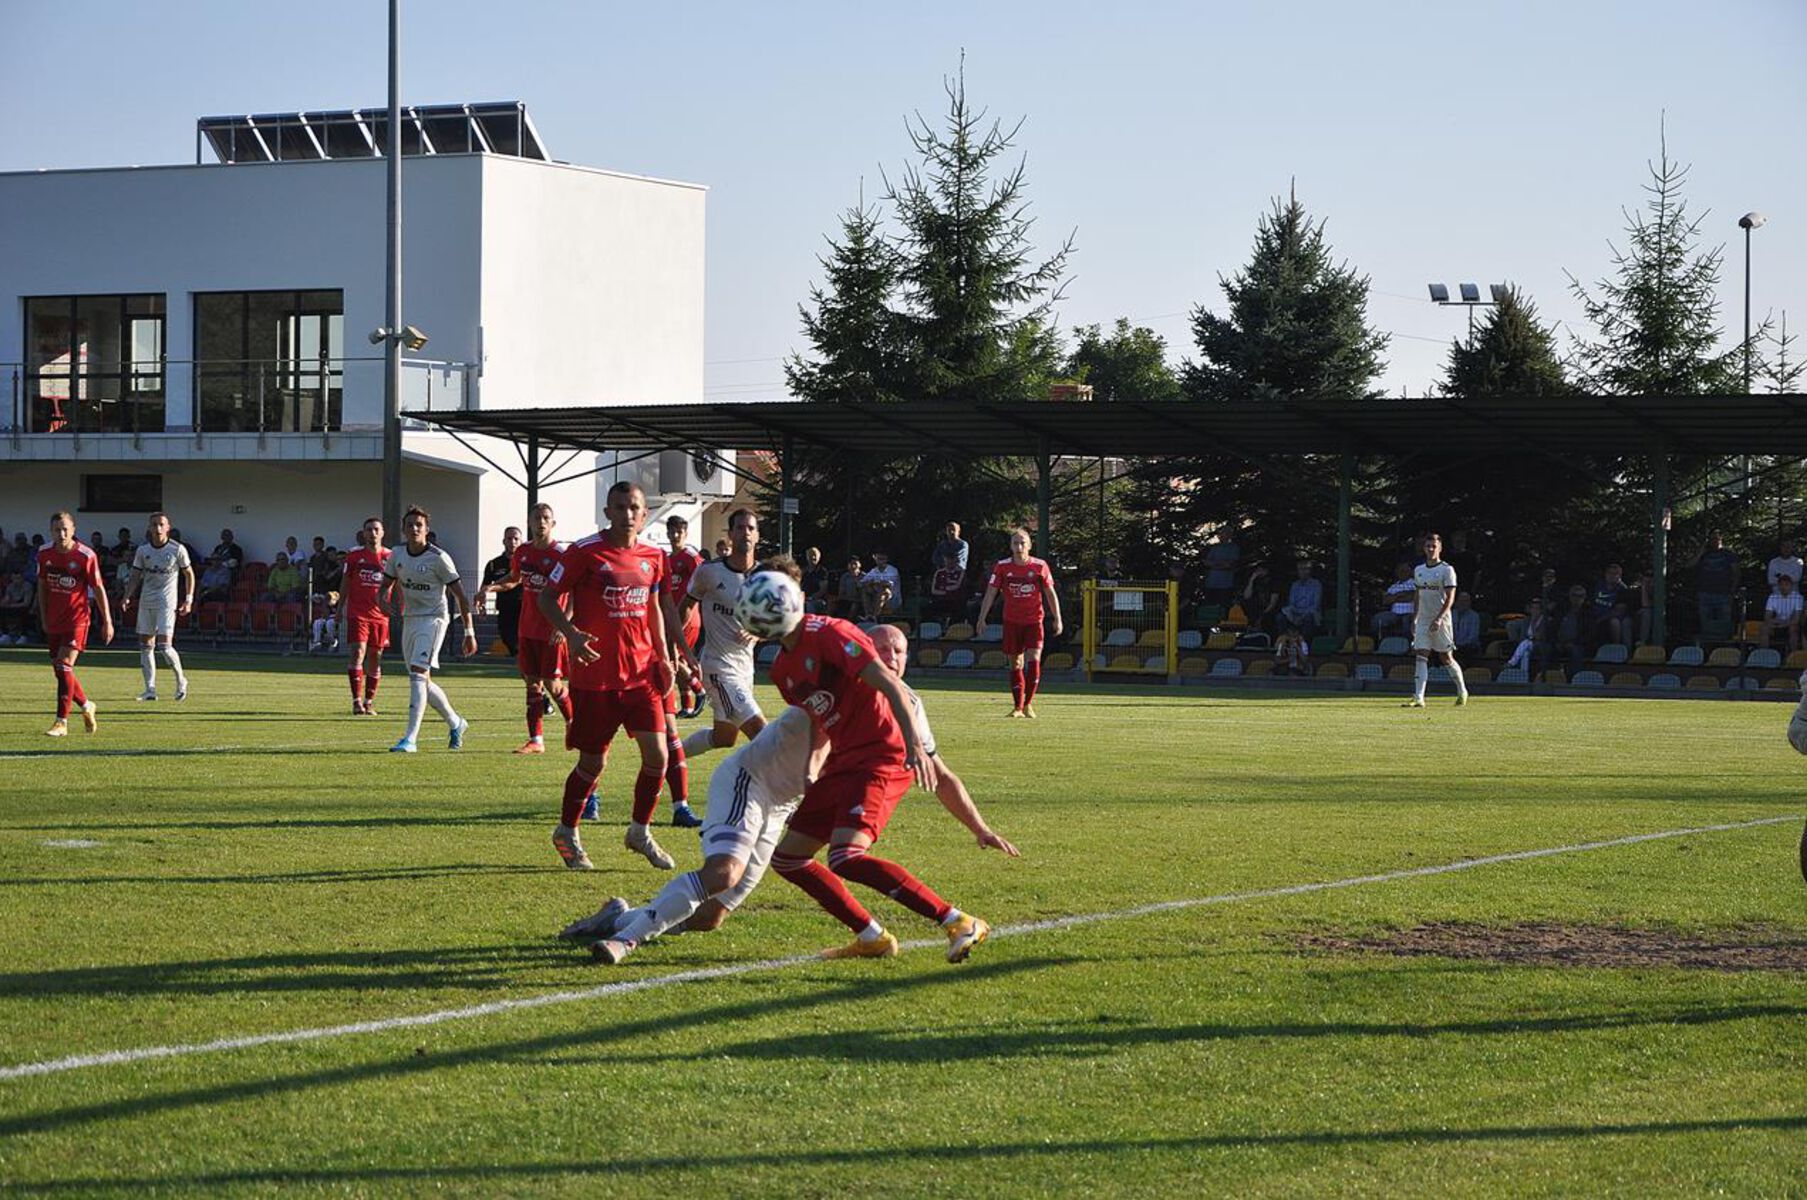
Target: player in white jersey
{"x": 751, "y": 797}
{"x": 424, "y": 574}
{"x": 162, "y": 585}
{"x": 1433, "y": 630}
{"x": 727, "y": 657}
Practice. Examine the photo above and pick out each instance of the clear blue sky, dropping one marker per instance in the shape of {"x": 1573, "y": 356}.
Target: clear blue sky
{"x": 1442, "y": 141}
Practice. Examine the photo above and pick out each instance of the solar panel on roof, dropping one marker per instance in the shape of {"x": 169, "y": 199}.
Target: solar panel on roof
{"x": 492, "y": 127}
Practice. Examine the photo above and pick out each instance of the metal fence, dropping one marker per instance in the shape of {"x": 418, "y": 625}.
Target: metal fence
{"x": 1131, "y": 628}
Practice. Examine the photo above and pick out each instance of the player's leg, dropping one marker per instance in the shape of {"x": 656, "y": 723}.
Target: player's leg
{"x": 62, "y": 665}
{"x": 64, "y": 656}
{"x": 1032, "y": 674}
{"x": 147, "y": 663}
{"x": 442, "y": 704}
{"x": 1455, "y": 674}
{"x": 652, "y": 738}
{"x": 536, "y": 716}
{"x": 373, "y": 666}
{"x": 1017, "y": 685}
{"x": 354, "y": 671}
{"x": 581, "y": 781}
{"x": 166, "y": 641}
{"x": 1421, "y": 671}
{"x": 677, "y": 769}
{"x": 795, "y": 860}
{"x": 675, "y": 904}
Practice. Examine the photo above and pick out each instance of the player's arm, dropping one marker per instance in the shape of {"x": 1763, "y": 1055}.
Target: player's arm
{"x": 456, "y": 587}
{"x": 879, "y": 677}
{"x": 133, "y": 582}
{"x": 106, "y": 610}
{"x": 188, "y": 596}
{"x": 670, "y": 635}
{"x": 508, "y": 583}
{"x": 551, "y": 602}
{"x": 991, "y": 593}
{"x": 1449, "y": 600}
{"x": 43, "y": 600}
{"x": 951, "y": 791}
{"x": 1052, "y": 600}
{"x": 690, "y": 601}
{"x": 819, "y": 746}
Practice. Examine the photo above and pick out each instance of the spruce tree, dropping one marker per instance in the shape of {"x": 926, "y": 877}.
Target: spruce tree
{"x": 1511, "y": 354}
{"x": 849, "y": 321}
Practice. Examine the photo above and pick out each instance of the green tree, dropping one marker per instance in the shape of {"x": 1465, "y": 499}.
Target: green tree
{"x": 1127, "y": 363}
{"x": 853, "y": 331}
{"x": 1781, "y": 370}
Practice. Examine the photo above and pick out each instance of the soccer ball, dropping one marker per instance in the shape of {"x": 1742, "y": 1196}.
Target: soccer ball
{"x": 770, "y": 605}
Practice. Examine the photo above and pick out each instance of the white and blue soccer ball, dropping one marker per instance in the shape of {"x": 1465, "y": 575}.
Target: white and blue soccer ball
{"x": 770, "y": 605}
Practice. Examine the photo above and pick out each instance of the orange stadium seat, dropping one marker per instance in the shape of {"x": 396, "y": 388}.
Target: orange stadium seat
{"x": 1703, "y": 683}
{"x": 1647, "y": 656}
{"x": 263, "y": 619}
{"x": 1628, "y": 679}
{"x": 289, "y": 618}
{"x": 211, "y": 616}
{"x": 238, "y": 618}
{"x": 960, "y": 631}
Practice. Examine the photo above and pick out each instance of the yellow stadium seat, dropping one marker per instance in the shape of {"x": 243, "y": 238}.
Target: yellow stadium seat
{"x": 1358, "y": 645}
{"x": 1495, "y": 649}
{"x": 1782, "y": 684}
{"x": 1726, "y": 656}
{"x": 1648, "y": 656}
{"x": 1796, "y": 661}
{"x": 1703, "y": 683}
{"x": 1625, "y": 679}
{"x": 1057, "y": 662}
{"x": 1221, "y": 641}
{"x": 928, "y": 658}
{"x": 1192, "y": 664}
{"x": 993, "y": 660}
{"x": 1126, "y": 662}
{"x": 1333, "y": 670}
{"x": 1153, "y": 638}
{"x": 1400, "y": 674}
{"x": 1477, "y": 674}
{"x": 1260, "y": 667}
{"x": 958, "y": 632}
{"x": 1555, "y": 675}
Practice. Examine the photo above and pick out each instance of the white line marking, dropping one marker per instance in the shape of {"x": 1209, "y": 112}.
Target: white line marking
{"x": 622, "y": 988}
{"x": 71, "y": 843}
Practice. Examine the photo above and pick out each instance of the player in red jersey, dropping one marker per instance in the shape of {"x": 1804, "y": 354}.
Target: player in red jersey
{"x": 364, "y": 615}
{"x": 1026, "y": 583}
{"x": 542, "y": 657}
{"x": 621, "y": 665}
{"x": 67, "y": 571}
{"x": 681, "y": 562}
{"x": 830, "y": 668}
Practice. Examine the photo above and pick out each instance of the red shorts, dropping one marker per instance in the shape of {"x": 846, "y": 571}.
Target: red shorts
{"x": 369, "y": 631}
{"x": 62, "y": 639}
{"x": 1021, "y": 636}
{"x": 539, "y": 658}
{"x": 595, "y": 716}
{"x": 862, "y": 798}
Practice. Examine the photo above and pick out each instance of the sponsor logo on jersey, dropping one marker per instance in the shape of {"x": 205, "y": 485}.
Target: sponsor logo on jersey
{"x": 618, "y": 597}
{"x": 852, "y": 648}
{"x": 646, "y": 568}
{"x": 820, "y": 703}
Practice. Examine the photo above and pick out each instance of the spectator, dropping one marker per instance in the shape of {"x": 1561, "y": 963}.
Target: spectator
{"x": 1291, "y": 651}
{"x": 1554, "y": 595}
{"x": 1573, "y": 627}
{"x": 1613, "y": 599}
{"x": 1304, "y": 608}
{"x": 19, "y": 555}
{"x": 508, "y": 603}
{"x": 292, "y": 548}
{"x": 847, "y": 595}
{"x": 1783, "y": 611}
{"x": 283, "y": 584}
{"x": 950, "y": 551}
{"x": 1786, "y": 562}
{"x": 229, "y": 552}
{"x": 332, "y": 579}
{"x": 216, "y": 581}
{"x": 1111, "y": 570}
{"x": 318, "y": 562}
{"x": 98, "y": 541}
{"x": 1401, "y": 604}
{"x": 124, "y": 547}
{"x": 17, "y": 600}
{"x": 815, "y": 581}
{"x": 194, "y": 555}
{"x": 1644, "y": 615}
{"x": 1260, "y": 601}
{"x": 723, "y": 547}
{"x": 881, "y": 588}
{"x": 1715, "y": 582}
{"x": 1221, "y": 561}
{"x": 1467, "y": 624}
{"x": 1533, "y": 639}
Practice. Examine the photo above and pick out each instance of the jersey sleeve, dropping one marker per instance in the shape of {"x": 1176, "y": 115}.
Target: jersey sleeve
{"x": 696, "y": 588}
{"x": 568, "y": 572}
{"x": 997, "y": 577}
{"x": 924, "y": 734}
{"x": 448, "y": 570}
{"x": 1449, "y": 576}
{"x": 848, "y": 648}
{"x": 139, "y": 555}
{"x": 388, "y": 568}
{"x": 95, "y": 578}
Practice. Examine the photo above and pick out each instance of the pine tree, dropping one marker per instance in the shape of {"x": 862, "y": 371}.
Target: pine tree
{"x": 1656, "y": 318}
{"x": 1509, "y": 355}
{"x": 1781, "y": 371}
{"x": 849, "y": 321}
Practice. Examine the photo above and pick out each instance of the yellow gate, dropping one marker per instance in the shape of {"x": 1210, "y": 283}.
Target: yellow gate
{"x": 1131, "y": 628}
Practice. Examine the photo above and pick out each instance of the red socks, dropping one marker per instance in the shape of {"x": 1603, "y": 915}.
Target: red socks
{"x": 1032, "y": 678}
{"x": 64, "y": 677}
{"x": 646, "y": 795}
{"x": 1016, "y": 686}
{"x": 563, "y": 700}
{"x": 851, "y": 862}
{"x": 357, "y": 683}
{"x": 821, "y": 885}
{"x": 536, "y": 711}
{"x": 677, "y": 771}
{"x": 577, "y": 789}
{"x": 371, "y": 679}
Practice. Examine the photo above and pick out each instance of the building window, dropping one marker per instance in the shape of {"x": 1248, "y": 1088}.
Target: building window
{"x": 269, "y": 361}
{"x": 122, "y": 493}
{"x": 94, "y": 364}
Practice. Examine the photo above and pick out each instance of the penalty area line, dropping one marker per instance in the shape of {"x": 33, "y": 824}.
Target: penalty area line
{"x": 624, "y": 987}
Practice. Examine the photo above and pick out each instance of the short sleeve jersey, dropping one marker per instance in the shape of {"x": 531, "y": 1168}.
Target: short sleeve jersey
{"x": 365, "y": 573}
{"x": 614, "y": 594}
{"x": 1021, "y": 586}
{"x": 779, "y": 757}
{"x": 534, "y": 565}
{"x": 1431, "y": 583}
{"x": 820, "y": 675}
{"x": 681, "y": 567}
{"x": 423, "y": 578}
{"x": 160, "y": 568}
{"x": 716, "y": 589}
{"x": 68, "y": 574}
{"x": 925, "y": 737}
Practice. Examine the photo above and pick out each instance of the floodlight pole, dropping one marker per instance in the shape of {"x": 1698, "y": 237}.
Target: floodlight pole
{"x": 1748, "y": 226}
{"x": 392, "y": 344}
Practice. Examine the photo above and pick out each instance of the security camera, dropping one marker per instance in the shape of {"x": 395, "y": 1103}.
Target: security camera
{"x": 378, "y": 336}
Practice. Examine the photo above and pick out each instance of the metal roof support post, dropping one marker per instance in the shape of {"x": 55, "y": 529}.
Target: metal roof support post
{"x": 533, "y": 475}
{"x": 392, "y": 309}
{"x": 1044, "y": 470}
{"x": 1659, "y": 545}
{"x": 1345, "y": 487}
{"x": 785, "y": 500}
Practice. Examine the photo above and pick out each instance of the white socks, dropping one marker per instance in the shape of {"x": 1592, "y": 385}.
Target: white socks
{"x": 417, "y": 703}
{"x": 441, "y": 703}
{"x": 175, "y": 664}
{"x": 147, "y": 665}
{"x": 700, "y": 741}
{"x": 1455, "y": 673}
{"x": 673, "y": 905}
{"x": 1421, "y": 674}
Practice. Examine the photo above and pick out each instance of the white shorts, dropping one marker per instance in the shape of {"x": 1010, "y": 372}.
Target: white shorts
{"x": 156, "y": 622}
{"x": 421, "y": 639}
{"x": 745, "y": 821}
{"x": 730, "y": 694}
{"x": 1437, "y": 636}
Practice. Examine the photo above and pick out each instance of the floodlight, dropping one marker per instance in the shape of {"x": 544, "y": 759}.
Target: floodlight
{"x": 412, "y": 338}
{"x": 1500, "y": 292}
{"x": 1470, "y": 293}
{"x": 378, "y": 336}
{"x": 1751, "y": 220}
{"x": 1440, "y": 293}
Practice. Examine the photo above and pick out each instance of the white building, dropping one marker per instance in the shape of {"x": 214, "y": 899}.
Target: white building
{"x": 193, "y": 338}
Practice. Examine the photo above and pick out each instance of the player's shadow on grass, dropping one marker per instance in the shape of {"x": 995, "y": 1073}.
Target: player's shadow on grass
{"x": 546, "y": 1049}
{"x": 409, "y": 820}
{"x": 964, "y": 1150}
{"x": 174, "y": 752}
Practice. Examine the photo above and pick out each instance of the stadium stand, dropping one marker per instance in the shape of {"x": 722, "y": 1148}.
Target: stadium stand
{"x": 1626, "y": 679}
{"x": 1514, "y": 675}
{"x": 1156, "y": 662}
{"x": 993, "y": 633}
{"x": 1726, "y": 656}
{"x": 1152, "y": 639}
{"x": 1120, "y": 637}
{"x": 1647, "y": 656}
{"x": 993, "y": 660}
{"x": 1333, "y": 670}
{"x": 959, "y": 631}
{"x": 930, "y": 631}
{"x": 1664, "y": 682}
{"x": 1358, "y": 645}
{"x": 1221, "y": 641}
{"x": 1796, "y": 661}
{"x": 930, "y": 657}
{"x": 1061, "y": 661}
{"x": 1370, "y": 671}
{"x": 1612, "y": 653}
{"x": 1191, "y": 639}
{"x": 1782, "y": 685}
{"x": 1703, "y": 683}
{"x": 1764, "y": 657}
{"x": 1688, "y": 656}
{"x": 1588, "y": 679}
{"x": 1126, "y": 662}
{"x": 1743, "y": 683}
{"x": 1194, "y": 665}
{"x": 960, "y": 658}
{"x": 1393, "y": 646}
{"x": 1476, "y": 675}
{"x": 1261, "y": 668}
{"x": 1227, "y": 668}
{"x": 1400, "y": 674}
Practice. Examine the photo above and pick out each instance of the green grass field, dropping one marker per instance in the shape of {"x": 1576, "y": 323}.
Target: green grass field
{"x": 263, "y": 866}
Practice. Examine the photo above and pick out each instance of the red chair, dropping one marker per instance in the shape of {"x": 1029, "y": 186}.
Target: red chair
{"x": 289, "y": 618}
{"x": 238, "y": 617}
{"x": 212, "y": 616}
{"x": 263, "y": 619}
{"x": 243, "y": 592}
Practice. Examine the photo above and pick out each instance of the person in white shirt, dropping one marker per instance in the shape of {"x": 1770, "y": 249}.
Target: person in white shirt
{"x": 1786, "y": 562}
{"x": 424, "y": 573}
{"x": 1433, "y": 630}
{"x": 882, "y": 587}
{"x": 727, "y": 655}
{"x": 1783, "y": 611}
{"x": 162, "y": 585}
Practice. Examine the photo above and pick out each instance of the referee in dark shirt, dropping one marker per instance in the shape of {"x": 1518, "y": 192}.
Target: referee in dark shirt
{"x": 508, "y": 604}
